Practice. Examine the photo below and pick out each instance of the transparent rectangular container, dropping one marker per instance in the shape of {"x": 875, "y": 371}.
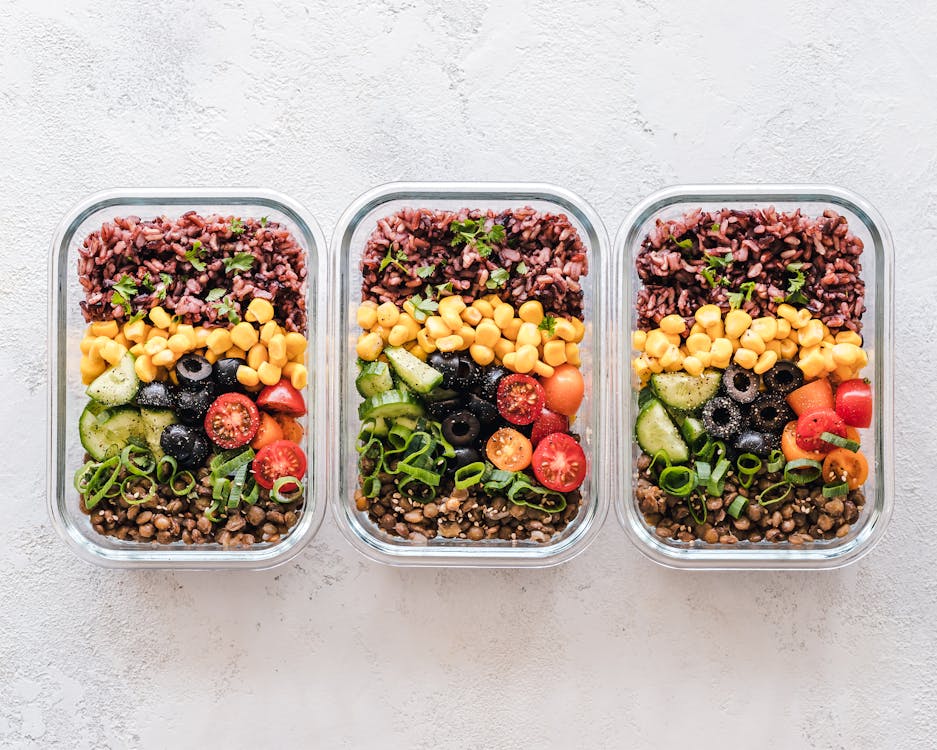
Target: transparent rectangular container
{"x": 348, "y": 242}
{"x": 877, "y": 271}
{"x": 67, "y": 394}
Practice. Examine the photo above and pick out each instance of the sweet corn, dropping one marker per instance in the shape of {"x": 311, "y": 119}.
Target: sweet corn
{"x": 211, "y": 357}
{"x": 698, "y": 342}
{"x": 201, "y": 336}
{"x": 511, "y": 330}
{"x": 90, "y": 369}
{"x": 510, "y": 361}
{"x": 268, "y": 330}
{"x": 219, "y": 340}
{"x": 693, "y": 365}
{"x": 184, "y": 329}
{"x": 144, "y": 368}
{"x": 137, "y": 350}
{"x": 107, "y": 328}
{"x": 452, "y": 303}
{"x": 848, "y": 337}
{"x": 736, "y": 323}
{"x": 159, "y": 317}
{"x": 845, "y": 354}
{"x": 766, "y": 327}
{"x": 765, "y": 362}
{"x": 436, "y": 327}
{"x": 484, "y": 307}
{"x": 773, "y": 346}
{"x": 572, "y": 353}
{"x": 276, "y": 350}
{"x": 531, "y": 312}
{"x": 468, "y": 336}
{"x": 487, "y": 333}
{"x": 259, "y": 311}
{"x": 86, "y": 343}
{"x": 494, "y": 300}
{"x": 554, "y": 353}
{"x": 244, "y": 335}
{"x": 526, "y": 358}
{"x": 827, "y": 351}
{"x": 745, "y": 358}
{"x": 751, "y": 340}
{"x": 247, "y": 376}
{"x": 813, "y": 365}
{"x": 295, "y": 344}
{"x": 811, "y": 334}
{"x": 367, "y": 316}
{"x": 788, "y": 312}
{"x": 450, "y": 343}
{"x": 179, "y": 343}
{"x": 580, "y": 329}
{"x": 697, "y": 328}
{"x": 639, "y": 339}
{"x": 369, "y": 347}
{"x": 299, "y": 377}
{"x": 164, "y": 358}
{"x": 844, "y": 372}
{"x": 154, "y": 346}
{"x": 784, "y": 328}
{"x": 708, "y": 315}
{"x": 704, "y": 357}
{"x": 452, "y": 319}
{"x": 721, "y": 351}
{"x": 642, "y": 367}
{"x": 425, "y": 342}
{"x": 656, "y": 343}
{"x": 399, "y": 335}
{"x": 735, "y": 345}
{"x": 565, "y": 330}
{"x": 527, "y": 333}
{"x": 381, "y": 331}
{"x": 672, "y": 357}
{"x": 256, "y": 355}
{"x": 788, "y": 349}
{"x": 503, "y": 314}
{"x": 716, "y": 330}
{"x": 112, "y": 352}
{"x": 387, "y": 314}
{"x": 236, "y": 352}
{"x": 122, "y": 340}
{"x": 157, "y": 333}
{"x": 472, "y": 316}
{"x": 412, "y": 326}
{"x": 483, "y": 355}
{"x": 655, "y": 365}
{"x": 268, "y": 374}
{"x": 802, "y": 319}
{"x": 672, "y": 324}
{"x": 136, "y": 331}
{"x": 543, "y": 369}
{"x": 503, "y": 347}
{"x": 417, "y": 352}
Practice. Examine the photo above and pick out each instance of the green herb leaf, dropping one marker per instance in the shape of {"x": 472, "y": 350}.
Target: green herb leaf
{"x": 263, "y": 221}
{"x": 426, "y": 271}
{"x": 796, "y": 284}
{"x": 423, "y": 308}
{"x": 215, "y": 294}
{"x": 682, "y": 244}
{"x": 227, "y": 308}
{"x": 719, "y": 261}
{"x": 146, "y": 282}
{"x": 716, "y": 226}
{"x": 193, "y": 255}
{"x": 744, "y": 293}
{"x": 469, "y": 232}
{"x": 499, "y": 277}
{"x": 237, "y": 226}
{"x": 444, "y": 288}
{"x": 548, "y": 324}
{"x": 167, "y": 282}
{"x": 709, "y": 275}
{"x": 238, "y": 262}
{"x": 136, "y": 316}
{"x": 124, "y": 290}
{"x": 521, "y": 268}
{"x": 394, "y": 255}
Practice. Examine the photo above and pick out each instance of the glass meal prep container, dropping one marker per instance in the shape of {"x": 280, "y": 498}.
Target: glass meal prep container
{"x": 877, "y": 259}
{"x": 68, "y": 396}
{"x": 350, "y": 238}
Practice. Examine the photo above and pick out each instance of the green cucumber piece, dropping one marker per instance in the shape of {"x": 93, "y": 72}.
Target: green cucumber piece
{"x": 390, "y": 404}
{"x": 105, "y": 431}
{"x": 692, "y": 430}
{"x": 655, "y": 431}
{"x": 117, "y": 385}
{"x": 374, "y": 378}
{"x": 418, "y": 375}
{"x": 681, "y": 390}
{"x": 155, "y": 421}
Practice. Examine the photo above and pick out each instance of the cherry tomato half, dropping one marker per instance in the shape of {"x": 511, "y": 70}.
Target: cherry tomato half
{"x": 520, "y": 398}
{"x": 282, "y": 458}
{"x": 564, "y": 389}
{"x": 812, "y": 425}
{"x": 854, "y": 402}
{"x": 232, "y": 420}
{"x": 559, "y": 462}
{"x": 282, "y": 398}
{"x": 546, "y": 424}
{"x": 268, "y": 432}
{"x": 842, "y": 465}
{"x": 292, "y": 430}
{"x": 789, "y": 446}
{"x": 509, "y": 450}
{"x": 808, "y": 398}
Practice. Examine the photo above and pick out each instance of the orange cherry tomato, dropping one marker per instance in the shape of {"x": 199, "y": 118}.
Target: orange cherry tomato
{"x": 810, "y": 397}
{"x": 509, "y": 450}
{"x": 292, "y": 430}
{"x": 268, "y": 432}
{"x": 789, "y": 446}
{"x": 564, "y": 389}
{"x": 852, "y": 434}
{"x": 844, "y": 465}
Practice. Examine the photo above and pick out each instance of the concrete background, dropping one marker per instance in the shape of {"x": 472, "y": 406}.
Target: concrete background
{"x": 321, "y": 101}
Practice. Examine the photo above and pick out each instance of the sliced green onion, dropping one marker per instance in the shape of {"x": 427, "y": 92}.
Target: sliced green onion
{"x": 132, "y": 499}
{"x": 703, "y": 472}
{"x": 702, "y": 502}
{"x": 89, "y": 470}
{"x": 184, "y": 489}
{"x": 661, "y": 456}
{"x": 836, "y": 490}
{"x": 776, "y": 460}
{"x": 221, "y": 488}
{"x": 211, "y": 510}
{"x": 748, "y": 463}
{"x": 166, "y": 469}
{"x": 287, "y": 497}
{"x": 498, "y": 479}
{"x": 142, "y": 466}
{"x": 722, "y": 466}
{"x": 706, "y": 452}
{"x": 802, "y": 471}
{"x": 373, "y": 452}
{"x": 371, "y": 487}
{"x": 425, "y": 476}
{"x": 719, "y": 449}
{"x": 398, "y": 434}
{"x": 105, "y": 488}
{"x": 840, "y": 442}
{"x": 253, "y": 492}
{"x": 746, "y": 480}
{"x": 522, "y": 484}
{"x": 469, "y": 475}
{"x": 774, "y": 493}
{"x": 737, "y": 506}
{"x": 225, "y": 464}
{"x": 416, "y": 490}
{"x": 237, "y": 486}
{"x": 679, "y": 481}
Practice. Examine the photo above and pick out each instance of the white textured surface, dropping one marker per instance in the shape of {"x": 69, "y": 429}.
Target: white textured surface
{"x": 611, "y": 99}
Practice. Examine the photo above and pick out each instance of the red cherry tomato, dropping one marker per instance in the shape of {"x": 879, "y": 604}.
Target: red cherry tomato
{"x": 812, "y": 425}
{"x": 520, "y": 398}
{"x": 559, "y": 462}
{"x": 564, "y": 389}
{"x": 232, "y": 420}
{"x": 282, "y": 458}
{"x": 546, "y": 424}
{"x": 282, "y": 398}
{"x": 807, "y": 398}
{"x": 854, "y": 402}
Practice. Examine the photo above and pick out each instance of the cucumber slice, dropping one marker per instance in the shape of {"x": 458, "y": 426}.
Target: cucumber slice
{"x": 155, "y": 421}
{"x": 655, "y": 431}
{"x": 105, "y": 431}
{"x": 117, "y": 385}
{"x": 684, "y": 391}
{"x": 374, "y": 378}
{"x": 409, "y": 422}
{"x": 413, "y": 371}
{"x": 391, "y": 404}
{"x": 692, "y": 430}
{"x": 441, "y": 394}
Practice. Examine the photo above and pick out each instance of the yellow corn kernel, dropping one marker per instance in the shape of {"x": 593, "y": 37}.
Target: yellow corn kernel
{"x": 812, "y": 365}
{"x": 157, "y": 333}
{"x": 572, "y": 353}
{"x": 472, "y": 316}
{"x": 494, "y": 300}
{"x": 503, "y": 347}
{"x": 295, "y": 344}
{"x": 244, "y": 335}
{"x": 531, "y": 312}
{"x": 735, "y": 345}
{"x": 827, "y": 351}
{"x": 751, "y": 340}
{"x": 638, "y": 340}
{"x": 107, "y": 328}
{"x": 219, "y": 340}
{"x": 425, "y": 342}
{"x": 697, "y": 328}
{"x": 211, "y": 357}
{"x": 745, "y": 358}
{"x": 269, "y": 374}
{"x": 86, "y": 343}
{"x": 672, "y": 324}
{"x": 452, "y": 319}
{"x": 812, "y": 333}
{"x": 721, "y": 350}
{"x": 450, "y": 343}
{"x": 484, "y": 307}
{"x": 773, "y": 346}
{"x": 765, "y": 362}
{"x": 708, "y": 315}
{"x": 510, "y": 361}
{"x": 554, "y": 353}
{"x": 121, "y": 339}
{"x": 256, "y": 355}
{"x": 788, "y": 312}
{"x": 436, "y": 327}
{"x": 656, "y": 343}
{"x": 259, "y": 311}
{"x": 784, "y": 328}
{"x": 99, "y": 343}
{"x": 580, "y": 329}
{"x": 543, "y": 369}
{"x": 112, "y": 352}
{"x": 179, "y": 343}
{"x": 845, "y": 354}
{"x": 136, "y": 331}
{"x": 654, "y": 364}
{"x": 564, "y": 330}
{"x": 453, "y": 303}
{"x": 387, "y": 314}
{"x": 468, "y": 336}
{"x": 642, "y": 367}
{"x": 276, "y": 350}
{"x": 844, "y": 372}
{"x": 503, "y": 314}
{"x": 716, "y": 331}
{"x": 483, "y": 355}
{"x": 848, "y": 337}
{"x": 737, "y": 322}
{"x": 267, "y": 331}
{"x": 788, "y": 349}
{"x": 528, "y": 333}
{"x": 90, "y": 369}
{"x": 410, "y": 323}
{"x": 526, "y": 358}
{"x": 693, "y": 365}
{"x": 164, "y": 358}
{"x": 236, "y": 352}
{"x": 366, "y": 316}
{"x": 369, "y": 346}
{"x": 154, "y": 346}
{"x": 698, "y": 342}
{"x": 704, "y": 357}
{"x": 247, "y": 376}
{"x": 159, "y": 317}
{"x": 184, "y": 329}
{"x": 672, "y": 358}
{"x": 487, "y": 333}
{"x": 417, "y": 352}
{"x": 766, "y": 327}
{"x": 399, "y": 335}
{"x": 201, "y": 337}
{"x": 299, "y": 377}
{"x": 137, "y": 350}
{"x": 802, "y": 319}
{"x": 173, "y": 326}
{"x": 145, "y": 368}
{"x": 863, "y": 359}
{"x": 513, "y": 327}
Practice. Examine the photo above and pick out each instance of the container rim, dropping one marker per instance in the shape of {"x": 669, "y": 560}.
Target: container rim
{"x": 193, "y": 558}
{"x": 734, "y": 558}
{"x": 475, "y": 556}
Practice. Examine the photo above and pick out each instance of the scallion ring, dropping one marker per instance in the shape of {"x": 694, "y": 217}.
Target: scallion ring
{"x": 237, "y": 486}
{"x": 679, "y": 481}
{"x": 802, "y": 471}
{"x": 469, "y": 475}
{"x": 840, "y": 442}
{"x": 661, "y": 456}
{"x": 719, "y": 472}
{"x": 103, "y": 490}
{"x": 703, "y": 472}
{"x": 166, "y": 469}
{"x": 836, "y": 490}
{"x": 292, "y": 496}
{"x": 702, "y": 502}
{"x": 141, "y": 466}
{"x": 371, "y": 487}
{"x": 776, "y": 461}
{"x": 737, "y": 506}
{"x": 130, "y": 486}
{"x": 180, "y": 491}
{"x": 774, "y": 493}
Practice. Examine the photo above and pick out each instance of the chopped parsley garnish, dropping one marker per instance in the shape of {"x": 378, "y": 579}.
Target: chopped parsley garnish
{"x": 719, "y": 261}
{"x": 682, "y": 244}
{"x": 394, "y": 255}
{"x": 469, "y": 232}
{"x": 194, "y": 255}
{"x": 499, "y": 277}
{"x": 136, "y": 316}
{"x": 744, "y": 293}
{"x": 709, "y": 275}
{"x": 716, "y": 226}
{"x": 226, "y": 308}
{"x": 215, "y": 294}
{"x": 263, "y": 221}
{"x": 548, "y": 324}
{"x": 423, "y": 308}
{"x": 796, "y": 284}
{"x": 237, "y": 226}
{"x": 124, "y": 290}
{"x": 426, "y": 271}
{"x": 238, "y": 262}
{"x": 146, "y": 282}
{"x": 521, "y": 268}
{"x": 444, "y": 288}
